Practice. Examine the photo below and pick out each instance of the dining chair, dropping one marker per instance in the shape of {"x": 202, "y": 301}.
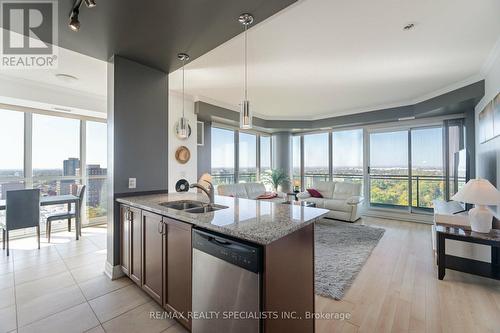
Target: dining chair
{"x": 70, "y": 214}
{"x": 22, "y": 211}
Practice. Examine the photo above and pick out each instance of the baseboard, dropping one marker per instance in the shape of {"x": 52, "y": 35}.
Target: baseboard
{"x": 113, "y": 272}
{"x": 418, "y": 218}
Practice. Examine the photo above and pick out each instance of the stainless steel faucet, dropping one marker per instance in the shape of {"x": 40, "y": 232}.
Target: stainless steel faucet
{"x": 210, "y": 191}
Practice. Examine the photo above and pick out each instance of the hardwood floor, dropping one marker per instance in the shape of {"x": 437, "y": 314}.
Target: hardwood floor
{"x": 398, "y": 291}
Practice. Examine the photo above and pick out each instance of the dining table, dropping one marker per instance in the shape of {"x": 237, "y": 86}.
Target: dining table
{"x": 67, "y": 199}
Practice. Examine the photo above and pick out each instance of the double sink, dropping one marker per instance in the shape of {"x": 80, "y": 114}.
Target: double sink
{"x": 191, "y": 206}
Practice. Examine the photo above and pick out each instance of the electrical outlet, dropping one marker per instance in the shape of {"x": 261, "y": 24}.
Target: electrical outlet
{"x": 132, "y": 183}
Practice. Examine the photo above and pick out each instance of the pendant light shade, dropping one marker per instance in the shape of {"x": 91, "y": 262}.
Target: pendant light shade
{"x": 246, "y": 115}
{"x": 183, "y": 124}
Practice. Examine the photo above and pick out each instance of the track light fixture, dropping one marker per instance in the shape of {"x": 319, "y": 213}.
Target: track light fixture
{"x": 74, "y": 23}
{"x": 90, "y": 3}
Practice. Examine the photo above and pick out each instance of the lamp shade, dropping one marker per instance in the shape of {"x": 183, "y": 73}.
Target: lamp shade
{"x": 478, "y": 192}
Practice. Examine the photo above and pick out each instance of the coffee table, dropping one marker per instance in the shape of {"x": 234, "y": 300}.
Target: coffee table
{"x": 300, "y": 203}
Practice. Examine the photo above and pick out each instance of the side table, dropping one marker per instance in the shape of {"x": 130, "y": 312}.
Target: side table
{"x": 471, "y": 266}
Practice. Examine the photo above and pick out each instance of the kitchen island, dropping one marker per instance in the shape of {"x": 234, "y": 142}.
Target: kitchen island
{"x": 157, "y": 252}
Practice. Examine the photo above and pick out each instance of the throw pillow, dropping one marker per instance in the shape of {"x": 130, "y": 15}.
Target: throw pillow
{"x": 314, "y": 193}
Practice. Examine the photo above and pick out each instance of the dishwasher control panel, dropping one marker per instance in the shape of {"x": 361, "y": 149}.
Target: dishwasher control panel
{"x": 235, "y": 252}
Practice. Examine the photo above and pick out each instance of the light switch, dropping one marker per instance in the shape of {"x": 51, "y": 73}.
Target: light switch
{"x": 132, "y": 183}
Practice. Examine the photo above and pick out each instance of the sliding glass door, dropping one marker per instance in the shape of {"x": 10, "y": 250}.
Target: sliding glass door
{"x": 406, "y": 168}
{"x": 427, "y": 170}
{"x": 388, "y": 169}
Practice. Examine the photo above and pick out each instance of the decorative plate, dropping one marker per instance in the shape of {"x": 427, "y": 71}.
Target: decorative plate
{"x": 182, "y": 154}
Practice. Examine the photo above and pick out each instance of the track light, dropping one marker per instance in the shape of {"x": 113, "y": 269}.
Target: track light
{"x": 74, "y": 23}
{"x": 90, "y": 3}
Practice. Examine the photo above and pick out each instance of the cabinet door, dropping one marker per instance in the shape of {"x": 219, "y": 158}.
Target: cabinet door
{"x": 152, "y": 255}
{"x": 125, "y": 239}
{"x": 135, "y": 245}
{"x": 178, "y": 271}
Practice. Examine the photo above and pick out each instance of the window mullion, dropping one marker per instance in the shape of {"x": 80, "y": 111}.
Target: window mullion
{"x": 28, "y": 150}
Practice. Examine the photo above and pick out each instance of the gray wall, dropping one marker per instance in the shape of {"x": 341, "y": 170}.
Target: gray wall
{"x": 282, "y": 154}
{"x": 205, "y": 151}
{"x": 137, "y": 136}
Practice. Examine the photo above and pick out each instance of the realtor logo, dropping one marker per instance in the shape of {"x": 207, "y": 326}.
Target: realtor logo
{"x": 29, "y": 33}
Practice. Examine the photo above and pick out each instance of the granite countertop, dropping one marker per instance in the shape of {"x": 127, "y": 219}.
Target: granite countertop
{"x": 257, "y": 221}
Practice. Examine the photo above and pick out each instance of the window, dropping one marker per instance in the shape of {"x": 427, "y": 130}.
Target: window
{"x": 296, "y": 162}
{"x": 247, "y": 171}
{"x": 265, "y": 154}
{"x": 222, "y": 156}
{"x": 12, "y": 150}
{"x": 316, "y": 164}
{"x": 56, "y": 147}
{"x": 347, "y": 155}
{"x": 12, "y": 144}
{"x": 96, "y": 168}
{"x": 389, "y": 168}
{"x": 427, "y": 170}
{"x": 55, "y": 160}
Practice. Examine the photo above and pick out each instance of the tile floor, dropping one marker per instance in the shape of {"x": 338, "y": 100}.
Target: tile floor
{"x": 62, "y": 288}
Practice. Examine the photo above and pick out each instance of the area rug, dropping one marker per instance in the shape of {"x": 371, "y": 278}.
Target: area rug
{"x": 341, "y": 249}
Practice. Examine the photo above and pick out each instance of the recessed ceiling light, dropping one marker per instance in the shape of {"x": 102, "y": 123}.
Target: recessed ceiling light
{"x": 409, "y": 26}
{"x": 67, "y": 78}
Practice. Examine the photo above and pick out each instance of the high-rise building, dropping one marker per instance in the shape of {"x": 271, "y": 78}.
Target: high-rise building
{"x": 71, "y": 167}
{"x": 95, "y": 185}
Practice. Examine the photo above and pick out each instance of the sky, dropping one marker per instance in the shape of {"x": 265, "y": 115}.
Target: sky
{"x": 54, "y": 140}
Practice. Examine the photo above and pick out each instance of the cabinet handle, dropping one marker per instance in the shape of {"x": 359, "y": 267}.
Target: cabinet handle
{"x": 131, "y": 215}
{"x": 165, "y": 228}
{"x": 160, "y": 227}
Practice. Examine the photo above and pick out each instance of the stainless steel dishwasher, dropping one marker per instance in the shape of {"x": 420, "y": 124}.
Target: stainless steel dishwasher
{"x": 226, "y": 285}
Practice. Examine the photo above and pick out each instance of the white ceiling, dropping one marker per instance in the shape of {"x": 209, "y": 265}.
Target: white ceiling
{"x": 91, "y": 72}
{"x": 40, "y": 88}
{"x": 322, "y": 58}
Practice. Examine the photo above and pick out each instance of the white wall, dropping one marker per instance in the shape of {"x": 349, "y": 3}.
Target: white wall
{"x": 176, "y": 170}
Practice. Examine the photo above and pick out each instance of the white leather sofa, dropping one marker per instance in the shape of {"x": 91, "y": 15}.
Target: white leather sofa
{"x": 343, "y": 199}
{"x": 247, "y": 191}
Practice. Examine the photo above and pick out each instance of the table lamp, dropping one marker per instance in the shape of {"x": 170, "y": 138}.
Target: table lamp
{"x": 479, "y": 192}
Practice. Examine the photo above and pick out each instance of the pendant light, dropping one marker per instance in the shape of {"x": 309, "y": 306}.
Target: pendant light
{"x": 183, "y": 124}
{"x": 245, "y": 113}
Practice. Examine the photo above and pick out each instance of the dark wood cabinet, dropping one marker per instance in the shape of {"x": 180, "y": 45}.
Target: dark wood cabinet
{"x": 135, "y": 269}
{"x": 125, "y": 239}
{"x": 153, "y": 249}
{"x": 178, "y": 268}
{"x": 156, "y": 254}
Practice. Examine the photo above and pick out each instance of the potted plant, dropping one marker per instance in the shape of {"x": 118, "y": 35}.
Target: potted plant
{"x": 276, "y": 178}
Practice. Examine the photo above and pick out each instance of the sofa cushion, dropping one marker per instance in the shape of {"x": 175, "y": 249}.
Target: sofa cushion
{"x": 254, "y": 189}
{"x": 339, "y": 205}
{"x": 232, "y": 190}
{"x": 325, "y": 188}
{"x": 314, "y": 193}
{"x": 345, "y": 190}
